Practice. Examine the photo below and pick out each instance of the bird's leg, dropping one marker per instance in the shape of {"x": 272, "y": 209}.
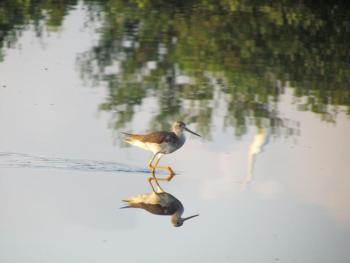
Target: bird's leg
{"x": 160, "y": 189}
{"x": 149, "y": 179}
{"x": 157, "y": 156}
{"x": 171, "y": 172}
{"x": 154, "y": 178}
{"x": 150, "y": 166}
{"x": 168, "y": 179}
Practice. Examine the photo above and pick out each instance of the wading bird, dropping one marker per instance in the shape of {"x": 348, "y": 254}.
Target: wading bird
{"x": 159, "y": 203}
{"x": 160, "y": 143}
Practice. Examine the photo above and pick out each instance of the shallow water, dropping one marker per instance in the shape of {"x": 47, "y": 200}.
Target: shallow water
{"x": 269, "y": 177}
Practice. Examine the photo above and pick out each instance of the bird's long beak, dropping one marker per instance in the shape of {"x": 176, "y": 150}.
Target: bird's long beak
{"x": 186, "y": 218}
{"x": 192, "y": 132}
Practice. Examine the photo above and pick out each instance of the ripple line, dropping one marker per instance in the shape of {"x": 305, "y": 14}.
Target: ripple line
{"x": 21, "y": 160}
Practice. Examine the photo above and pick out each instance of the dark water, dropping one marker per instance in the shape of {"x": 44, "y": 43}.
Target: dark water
{"x": 265, "y": 83}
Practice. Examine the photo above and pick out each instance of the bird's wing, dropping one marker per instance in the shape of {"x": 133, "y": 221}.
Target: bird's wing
{"x": 156, "y": 209}
{"x": 159, "y": 137}
{"x": 154, "y": 137}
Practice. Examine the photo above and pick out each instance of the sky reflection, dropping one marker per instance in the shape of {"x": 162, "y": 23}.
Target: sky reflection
{"x": 294, "y": 207}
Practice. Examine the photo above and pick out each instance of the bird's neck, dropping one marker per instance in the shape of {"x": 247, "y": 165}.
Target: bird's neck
{"x": 179, "y": 211}
{"x": 182, "y": 138}
{"x": 179, "y": 133}
{"x": 177, "y": 215}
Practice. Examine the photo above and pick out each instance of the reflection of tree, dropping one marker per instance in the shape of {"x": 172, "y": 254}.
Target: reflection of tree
{"x": 194, "y": 55}
{"x": 239, "y": 48}
{"x": 16, "y": 15}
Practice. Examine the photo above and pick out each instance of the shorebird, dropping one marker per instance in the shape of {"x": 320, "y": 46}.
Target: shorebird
{"x": 159, "y": 203}
{"x": 160, "y": 143}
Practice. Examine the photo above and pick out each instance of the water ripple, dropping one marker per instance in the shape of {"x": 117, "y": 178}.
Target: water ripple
{"x": 20, "y": 160}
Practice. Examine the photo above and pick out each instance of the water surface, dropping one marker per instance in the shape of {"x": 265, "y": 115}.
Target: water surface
{"x": 267, "y": 85}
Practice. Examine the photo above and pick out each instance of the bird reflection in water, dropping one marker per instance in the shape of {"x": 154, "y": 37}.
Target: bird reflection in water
{"x": 159, "y": 203}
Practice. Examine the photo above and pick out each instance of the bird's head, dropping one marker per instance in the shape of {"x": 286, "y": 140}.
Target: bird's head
{"x": 178, "y": 221}
{"x": 179, "y": 127}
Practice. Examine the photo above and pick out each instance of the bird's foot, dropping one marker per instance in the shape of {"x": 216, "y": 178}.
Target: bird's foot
{"x": 171, "y": 172}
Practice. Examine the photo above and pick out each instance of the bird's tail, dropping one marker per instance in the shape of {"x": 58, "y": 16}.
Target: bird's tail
{"x": 132, "y": 138}
{"x": 130, "y": 204}
{"x": 136, "y": 201}
{"x": 128, "y": 137}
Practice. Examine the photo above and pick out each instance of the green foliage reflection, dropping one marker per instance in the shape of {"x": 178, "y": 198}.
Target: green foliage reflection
{"x": 195, "y": 56}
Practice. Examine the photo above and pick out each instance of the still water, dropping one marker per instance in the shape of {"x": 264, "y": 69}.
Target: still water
{"x": 266, "y": 85}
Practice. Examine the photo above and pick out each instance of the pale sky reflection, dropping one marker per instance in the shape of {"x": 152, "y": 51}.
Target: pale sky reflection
{"x": 311, "y": 168}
